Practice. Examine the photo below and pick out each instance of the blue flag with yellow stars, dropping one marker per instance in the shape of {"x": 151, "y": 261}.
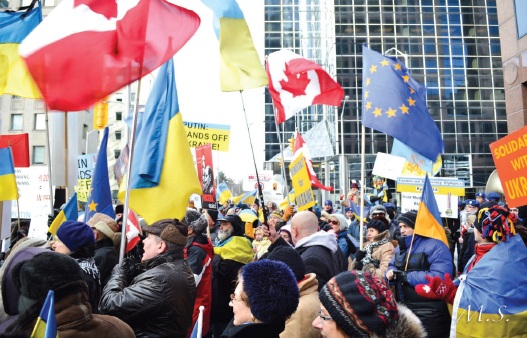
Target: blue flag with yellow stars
{"x": 100, "y": 196}
{"x": 395, "y": 104}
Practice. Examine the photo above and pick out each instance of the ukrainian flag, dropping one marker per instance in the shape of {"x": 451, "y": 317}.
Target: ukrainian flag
{"x": 8, "y": 188}
{"x": 70, "y": 212}
{"x": 357, "y": 211}
{"x": 163, "y": 173}
{"x": 14, "y": 76}
{"x": 428, "y": 222}
{"x": 289, "y": 199}
{"x": 240, "y": 66}
{"x": 247, "y": 198}
{"x": 46, "y": 326}
{"x": 223, "y": 194}
{"x": 491, "y": 300}
{"x": 416, "y": 164}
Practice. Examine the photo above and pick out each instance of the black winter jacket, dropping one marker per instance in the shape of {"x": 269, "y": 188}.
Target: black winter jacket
{"x": 254, "y": 330}
{"x": 158, "y": 302}
{"x": 106, "y": 258}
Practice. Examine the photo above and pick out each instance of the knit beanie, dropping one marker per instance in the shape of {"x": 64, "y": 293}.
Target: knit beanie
{"x": 169, "y": 231}
{"x": 328, "y": 202}
{"x": 361, "y": 304}
{"x": 199, "y": 225}
{"x": 377, "y": 225}
{"x": 75, "y": 235}
{"x": 496, "y": 223}
{"x": 272, "y": 290}
{"x": 190, "y": 216}
{"x": 213, "y": 214}
{"x": 408, "y": 218}
{"x": 378, "y": 209}
{"x": 291, "y": 258}
{"x": 45, "y": 271}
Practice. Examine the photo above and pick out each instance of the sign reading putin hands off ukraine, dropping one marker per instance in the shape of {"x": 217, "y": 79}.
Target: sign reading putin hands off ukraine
{"x": 198, "y": 134}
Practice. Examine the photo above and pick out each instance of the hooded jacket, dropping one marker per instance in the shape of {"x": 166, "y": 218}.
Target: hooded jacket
{"x": 382, "y": 253}
{"x": 158, "y": 302}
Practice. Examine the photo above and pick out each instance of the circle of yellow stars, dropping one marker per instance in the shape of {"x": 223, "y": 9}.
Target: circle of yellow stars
{"x": 390, "y": 112}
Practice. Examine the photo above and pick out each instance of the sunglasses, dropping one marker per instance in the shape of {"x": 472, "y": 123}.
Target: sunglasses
{"x": 334, "y": 222}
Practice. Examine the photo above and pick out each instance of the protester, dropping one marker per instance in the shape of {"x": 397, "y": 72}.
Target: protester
{"x": 260, "y": 243}
{"x": 380, "y": 191}
{"x": 377, "y": 252}
{"x": 77, "y": 240}
{"x": 339, "y": 225}
{"x": 266, "y": 295}
{"x": 156, "y": 297}
{"x": 232, "y": 252}
{"x": 358, "y": 304}
{"x": 415, "y": 258}
{"x": 106, "y": 255}
{"x": 199, "y": 254}
{"x": 328, "y": 207}
{"x": 63, "y": 275}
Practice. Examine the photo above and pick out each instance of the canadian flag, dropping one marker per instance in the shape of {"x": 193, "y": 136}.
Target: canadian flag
{"x": 301, "y": 146}
{"x": 296, "y": 83}
{"x": 133, "y": 229}
{"x": 87, "y": 49}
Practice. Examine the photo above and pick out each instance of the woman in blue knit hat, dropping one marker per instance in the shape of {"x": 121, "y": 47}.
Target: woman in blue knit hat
{"x": 266, "y": 295}
{"x": 77, "y": 240}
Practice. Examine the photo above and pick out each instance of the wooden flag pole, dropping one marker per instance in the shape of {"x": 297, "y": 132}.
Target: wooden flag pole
{"x": 409, "y": 252}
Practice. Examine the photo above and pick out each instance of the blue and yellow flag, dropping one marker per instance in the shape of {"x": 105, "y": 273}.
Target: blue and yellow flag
{"x": 290, "y": 198}
{"x": 428, "y": 222}
{"x": 240, "y": 66}
{"x": 247, "y": 197}
{"x": 46, "y": 326}
{"x": 223, "y": 194}
{"x": 357, "y": 210}
{"x": 163, "y": 172}
{"x": 70, "y": 212}
{"x": 416, "y": 164}
{"x": 395, "y": 104}
{"x": 491, "y": 300}
{"x": 8, "y": 187}
{"x": 14, "y": 76}
{"x": 100, "y": 197}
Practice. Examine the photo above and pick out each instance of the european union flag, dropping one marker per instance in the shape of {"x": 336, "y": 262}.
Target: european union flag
{"x": 395, "y": 104}
{"x": 100, "y": 198}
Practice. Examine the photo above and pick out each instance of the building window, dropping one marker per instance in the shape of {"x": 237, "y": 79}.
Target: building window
{"x": 118, "y": 115}
{"x": 117, "y": 134}
{"x": 521, "y": 20}
{"x": 40, "y": 122}
{"x": 39, "y": 153}
{"x": 116, "y": 153}
{"x": 17, "y": 121}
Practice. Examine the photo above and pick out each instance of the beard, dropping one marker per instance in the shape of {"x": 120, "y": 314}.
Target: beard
{"x": 224, "y": 234}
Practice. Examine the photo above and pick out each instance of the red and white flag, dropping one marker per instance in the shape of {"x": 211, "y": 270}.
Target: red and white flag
{"x": 301, "y": 146}
{"x": 133, "y": 229}
{"x": 296, "y": 83}
{"x": 87, "y": 49}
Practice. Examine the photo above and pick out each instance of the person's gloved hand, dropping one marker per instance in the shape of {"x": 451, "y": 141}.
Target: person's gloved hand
{"x": 373, "y": 198}
{"x": 359, "y": 255}
{"x": 128, "y": 268}
{"x": 400, "y": 276}
{"x": 288, "y": 212}
{"x": 438, "y": 289}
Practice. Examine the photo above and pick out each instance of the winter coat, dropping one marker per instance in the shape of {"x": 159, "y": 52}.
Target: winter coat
{"x": 320, "y": 256}
{"x": 429, "y": 257}
{"x": 299, "y": 325}
{"x": 199, "y": 254}
{"x": 106, "y": 258}
{"x": 382, "y": 253}
{"x": 158, "y": 302}
{"x": 408, "y": 326}
{"x": 230, "y": 256}
{"x": 253, "y": 330}
{"x": 92, "y": 276}
{"x": 73, "y": 315}
{"x": 354, "y": 229}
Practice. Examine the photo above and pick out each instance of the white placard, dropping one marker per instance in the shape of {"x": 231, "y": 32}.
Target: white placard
{"x": 446, "y": 204}
{"x": 388, "y": 166}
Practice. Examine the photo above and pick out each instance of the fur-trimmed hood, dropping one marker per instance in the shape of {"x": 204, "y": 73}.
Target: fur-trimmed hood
{"x": 409, "y": 326}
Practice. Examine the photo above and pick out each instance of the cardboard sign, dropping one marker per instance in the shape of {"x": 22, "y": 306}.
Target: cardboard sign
{"x": 447, "y": 204}
{"x": 198, "y": 134}
{"x": 301, "y": 183}
{"x": 85, "y": 166}
{"x": 440, "y": 186}
{"x": 206, "y": 175}
{"x": 510, "y": 157}
{"x": 388, "y": 166}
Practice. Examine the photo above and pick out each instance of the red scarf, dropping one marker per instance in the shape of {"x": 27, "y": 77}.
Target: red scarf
{"x": 480, "y": 251}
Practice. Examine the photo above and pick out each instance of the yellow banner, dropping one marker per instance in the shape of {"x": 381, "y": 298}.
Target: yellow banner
{"x": 198, "y": 134}
{"x": 439, "y": 186}
{"x": 301, "y": 183}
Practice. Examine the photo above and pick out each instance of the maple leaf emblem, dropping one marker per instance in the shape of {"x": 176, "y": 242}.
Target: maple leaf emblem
{"x": 296, "y": 84}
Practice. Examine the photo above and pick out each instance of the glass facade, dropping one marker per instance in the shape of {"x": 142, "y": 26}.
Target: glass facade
{"x": 452, "y": 47}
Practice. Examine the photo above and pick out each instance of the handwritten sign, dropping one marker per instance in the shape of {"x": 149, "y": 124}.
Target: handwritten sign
{"x": 85, "y": 166}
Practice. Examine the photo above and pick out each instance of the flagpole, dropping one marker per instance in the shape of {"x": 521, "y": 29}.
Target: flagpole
{"x": 362, "y": 169}
{"x": 282, "y": 167}
{"x": 260, "y": 193}
{"x": 409, "y": 252}
{"x": 129, "y": 168}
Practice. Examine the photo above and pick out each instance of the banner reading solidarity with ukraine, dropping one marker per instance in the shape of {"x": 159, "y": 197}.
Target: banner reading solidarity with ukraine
{"x": 510, "y": 154}
{"x": 206, "y": 175}
{"x": 198, "y": 134}
{"x": 301, "y": 183}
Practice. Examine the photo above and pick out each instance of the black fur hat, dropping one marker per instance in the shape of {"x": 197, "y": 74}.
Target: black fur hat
{"x": 44, "y": 272}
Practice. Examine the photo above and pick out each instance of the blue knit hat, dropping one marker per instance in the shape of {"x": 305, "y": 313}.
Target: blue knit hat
{"x": 272, "y": 290}
{"x": 328, "y": 202}
{"x": 75, "y": 235}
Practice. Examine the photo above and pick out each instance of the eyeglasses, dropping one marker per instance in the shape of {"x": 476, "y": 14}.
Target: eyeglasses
{"x": 334, "y": 222}
{"x": 326, "y": 318}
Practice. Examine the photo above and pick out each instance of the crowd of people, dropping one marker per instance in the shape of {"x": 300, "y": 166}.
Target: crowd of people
{"x": 289, "y": 274}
